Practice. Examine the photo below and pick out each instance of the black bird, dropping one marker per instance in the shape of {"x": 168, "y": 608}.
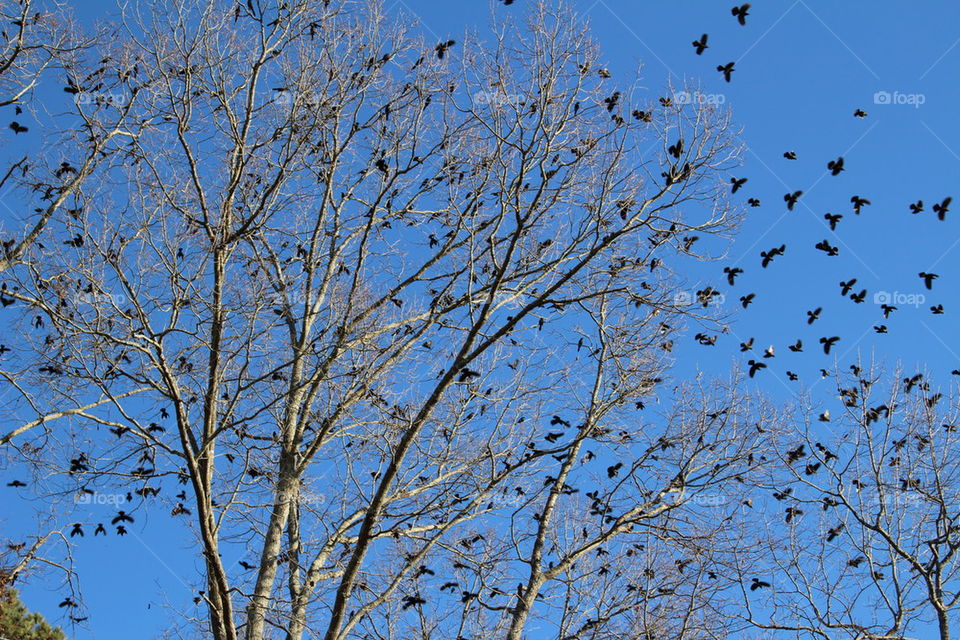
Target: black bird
{"x": 466, "y": 374}
{"x": 122, "y": 516}
{"x": 828, "y": 343}
{"x": 441, "y": 48}
{"x": 77, "y": 530}
{"x": 846, "y": 287}
{"x": 613, "y": 470}
{"x": 746, "y": 346}
{"x": 727, "y": 70}
{"x": 880, "y": 328}
{"x": 16, "y": 483}
{"x": 701, "y": 44}
{"x": 833, "y": 219}
{"x": 558, "y": 420}
{"x": 100, "y": 530}
{"x": 887, "y": 310}
{"x": 737, "y": 183}
{"x": 796, "y": 454}
{"x": 790, "y": 155}
{"x": 676, "y": 150}
{"x": 791, "y": 199}
{"x": 859, "y": 113}
{"x": 732, "y": 273}
{"x": 246, "y": 565}
{"x": 746, "y": 300}
{"x": 759, "y": 584}
{"x": 642, "y": 116}
{"x": 410, "y": 601}
{"x": 755, "y": 366}
{"x": 741, "y": 13}
{"x": 792, "y": 512}
{"x": 18, "y": 128}
{"x": 813, "y": 316}
{"x": 768, "y": 256}
{"x": 928, "y": 278}
{"x": 942, "y": 208}
{"x": 858, "y": 298}
{"x": 827, "y": 248}
{"x": 859, "y": 203}
{"x": 916, "y": 207}
{"x": 937, "y": 310}
{"x": 835, "y": 166}
{"x": 753, "y": 202}
{"x": 797, "y": 347}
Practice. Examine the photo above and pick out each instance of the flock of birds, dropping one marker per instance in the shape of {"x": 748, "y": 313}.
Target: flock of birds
{"x": 847, "y": 289}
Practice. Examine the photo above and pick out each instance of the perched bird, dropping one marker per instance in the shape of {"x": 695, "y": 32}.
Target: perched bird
{"x": 701, "y": 44}
{"x": 741, "y": 13}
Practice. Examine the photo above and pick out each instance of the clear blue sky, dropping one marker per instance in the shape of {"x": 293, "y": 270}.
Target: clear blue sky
{"x": 802, "y": 69}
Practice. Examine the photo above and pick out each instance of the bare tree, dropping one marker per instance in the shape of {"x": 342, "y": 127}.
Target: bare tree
{"x": 391, "y": 311}
{"x": 870, "y": 549}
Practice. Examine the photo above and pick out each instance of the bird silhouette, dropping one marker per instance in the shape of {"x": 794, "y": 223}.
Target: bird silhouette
{"x": 859, "y": 113}
{"x": 833, "y": 219}
{"x": 769, "y": 255}
{"x": 791, "y": 199}
{"x": 746, "y": 300}
{"x": 928, "y": 278}
{"x": 100, "y": 530}
{"x": 757, "y": 583}
{"x": 442, "y": 48}
{"x": 755, "y": 367}
{"x": 77, "y": 530}
{"x": 122, "y": 516}
{"x": 16, "y": 483}
{"x": 790, "y": 155}
{"x": 741, "y": 13}
{"x": 846, "y": 287}
{"x": 727, "y": 70}
{"x": 942, "y": 208}
{"x": 732, "y": 274}
{"x": 701, "y": 44}
{"x": 859, "y": 203}
{"x": 828, "y": 343}
{"x": 737, "y": 183}
{"x": 827, "y": 248}
{"x": 813, "y": 316}
{"x": 916, "y": 207}
{"x": 835, "y": 166}
{"x": 18, "y": 128}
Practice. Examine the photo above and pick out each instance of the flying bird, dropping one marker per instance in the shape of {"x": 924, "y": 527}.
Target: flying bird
{"x": 942, "y": 208}
{"x": 727, "y": 70}
{"x": 741, "y": 13}
{"x": 701, "y": 44}
{"x": 791, "y": 199}
{"x": 835, "y": 166}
